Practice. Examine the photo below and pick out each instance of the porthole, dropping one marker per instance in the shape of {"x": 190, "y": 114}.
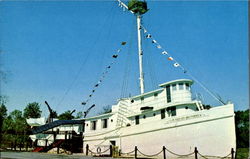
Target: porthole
{"x": 186, "y": 107}
{"x": 154, "y": 114}
{"x": 144, "y": 116}
{"x": 111, "y": 120}
{"x": 132, "y": 101}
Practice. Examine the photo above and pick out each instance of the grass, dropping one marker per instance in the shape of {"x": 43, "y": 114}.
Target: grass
{"x": 242, "y": 153}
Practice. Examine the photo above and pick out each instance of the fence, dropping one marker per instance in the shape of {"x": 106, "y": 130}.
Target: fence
{"x": 136, "y": 152}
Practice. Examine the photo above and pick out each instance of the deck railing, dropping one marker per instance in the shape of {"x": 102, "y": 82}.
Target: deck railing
{"x": 136, "y": 153}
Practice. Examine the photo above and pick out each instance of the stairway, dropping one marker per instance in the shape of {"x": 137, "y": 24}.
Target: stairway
{"x": 122, "y": 114}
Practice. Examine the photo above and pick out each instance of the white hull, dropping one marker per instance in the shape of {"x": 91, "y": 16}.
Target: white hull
{"x": 211, "y": 131}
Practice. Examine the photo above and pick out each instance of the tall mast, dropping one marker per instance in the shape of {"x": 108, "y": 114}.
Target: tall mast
{"x": 140, "y": 53}
{"x": 138, "y": 7}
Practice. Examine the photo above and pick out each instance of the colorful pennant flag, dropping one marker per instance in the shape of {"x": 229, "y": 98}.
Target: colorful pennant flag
{"x": 148, "y": 36}
{"x": 115, "y": 56}
{"x": 176, "y": 64}
{"x": 164, "y": 52}
{"x": 170, "y": 58}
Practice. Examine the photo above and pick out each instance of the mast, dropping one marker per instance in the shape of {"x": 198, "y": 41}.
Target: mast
{"x": 138, "y": 8}
{"x": 140, "y": 53}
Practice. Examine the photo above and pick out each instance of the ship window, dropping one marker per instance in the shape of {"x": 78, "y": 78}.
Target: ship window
{"x": 144, "y": 116}
{"x": 104, "y": 123}
{"x": 156, "y": 94}
{"x": 163, "y": 114}
{"x": 93, "y": 125}
{"x": 142, "y": 99}
{"x": 174, "y": 87}
{"x": 171, "y": 111}
{"x": 168, "y": 94}
{"x": 132, "y": 101}
{"x": 181, "y": 86}
{"x": 137, "y": 119}
{"x": 187, "y": 86}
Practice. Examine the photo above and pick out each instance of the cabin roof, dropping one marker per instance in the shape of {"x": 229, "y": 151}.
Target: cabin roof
{"x": 177, "y": 81}
{"x": 100, "y": 116}
{"x": 148, "y": 93}
{"x": 159, "y": 108}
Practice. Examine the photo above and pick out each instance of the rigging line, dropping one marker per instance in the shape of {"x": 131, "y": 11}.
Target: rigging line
{"x": 150, "y": 65}
{"x": 185, "y": 70}
{"x": 128, "y": 63}
{"x": 107, "y": 37}
{"x": 84, "y": 62}
{"x": 106, "y": 71}
{"x": 205, "y": 88}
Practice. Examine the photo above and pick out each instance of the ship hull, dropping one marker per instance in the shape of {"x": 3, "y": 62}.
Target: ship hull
{"x": 211, "y": 131}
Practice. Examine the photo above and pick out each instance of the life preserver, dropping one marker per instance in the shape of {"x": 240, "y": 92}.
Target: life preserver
{"x": 98, "y": 150}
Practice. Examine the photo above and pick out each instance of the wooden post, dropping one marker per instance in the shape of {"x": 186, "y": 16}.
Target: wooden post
{"x": 136, "y": 152}
{"x": 46, "y": 143}
{"x": 15, "y": 145}
{"x": 232, "y": 153}
{"x": 164, "y": 152}
{"x": 120, "y": 152}
{"x": 58, "y": 149}
{"x": 111, "y": 150}
{"x": 26, "y": 146}
{"x": 196, "y": 153}
{"x": 87, "y": 150}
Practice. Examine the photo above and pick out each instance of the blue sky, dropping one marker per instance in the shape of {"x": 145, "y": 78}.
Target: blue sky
{"x": 57, "y": 50}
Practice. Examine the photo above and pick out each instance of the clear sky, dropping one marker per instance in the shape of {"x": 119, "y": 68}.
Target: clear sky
{"x": 57, "y": 50}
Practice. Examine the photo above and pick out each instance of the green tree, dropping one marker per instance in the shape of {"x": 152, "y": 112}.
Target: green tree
{"x": 32, "y": 110}
{"x": 67, "y": 115}
{"x": 19, "y": 127}
{"x": 242, "y": 128}
{"x": 3, "y": 111}
{"x": 106, "y": 109}
{"x": 79, "y": 115}
{"x": 3, "y": 115}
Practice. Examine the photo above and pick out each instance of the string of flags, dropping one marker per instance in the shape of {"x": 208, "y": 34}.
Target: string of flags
{"x": 104, "y": 74}
{"x": 163, "y": 51}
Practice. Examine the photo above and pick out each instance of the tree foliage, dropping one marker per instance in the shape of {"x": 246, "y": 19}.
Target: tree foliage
{"x": 79, "y": 115}
{"x": 67, "y": 115}
{"x": 32, "y": 110}
{"x": 15, "y": 129}
{"x": 242, "y": 128}
{"x": 106, "y": 109}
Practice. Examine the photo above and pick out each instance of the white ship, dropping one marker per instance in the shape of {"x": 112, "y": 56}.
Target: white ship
{"x": 168, "y": 116}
